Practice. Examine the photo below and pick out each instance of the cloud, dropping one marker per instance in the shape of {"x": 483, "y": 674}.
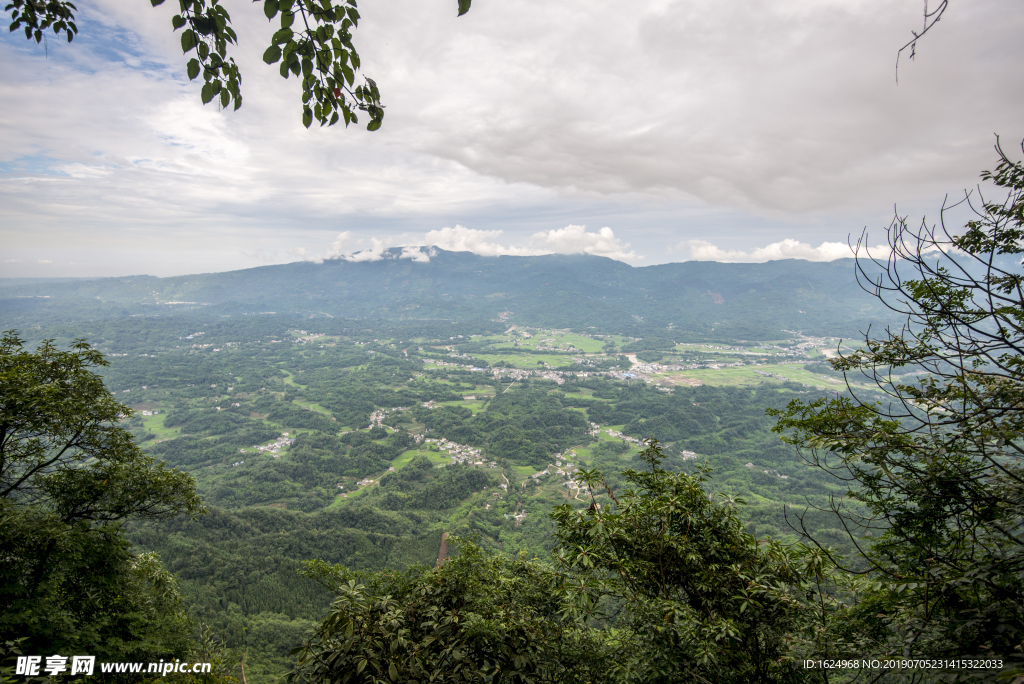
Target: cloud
{"x": 576, "y": 240}
{"x": 781, "y": 117}
{"x": 415, "y": 253}
{"x": 482, "y": 242}
{"x": 702, "y": 250}
{"x": 572, "y": 239}
{"x": 339, "y": 246}
{"x": 375, "y": 253}
{"x": 44, "y": 261}
{"x": 787, "y": 106}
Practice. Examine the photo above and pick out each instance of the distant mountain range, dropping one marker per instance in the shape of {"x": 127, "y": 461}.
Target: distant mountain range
{"x": 698, "y": 299}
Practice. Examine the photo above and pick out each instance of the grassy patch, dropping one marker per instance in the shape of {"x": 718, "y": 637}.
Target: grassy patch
{"x": 749, "y": 376}
{"x": 155, "y": 424}
{"x": 435, "y": 456}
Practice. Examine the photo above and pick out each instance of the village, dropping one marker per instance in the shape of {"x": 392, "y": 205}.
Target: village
{"x": 274, "y": 448}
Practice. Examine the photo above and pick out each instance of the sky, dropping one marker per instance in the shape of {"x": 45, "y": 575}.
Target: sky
{"x": 648, "y": 132}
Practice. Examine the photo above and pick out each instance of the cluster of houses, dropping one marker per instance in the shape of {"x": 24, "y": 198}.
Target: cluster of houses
{"x": 520, "y": 374}
{"x": 378, "y": 417}
{"x": 566, "y": 469}
{"x": 274, "y": 449}
{"x": 771, "y": 375}
{"x": 549, "y": 344}
{"x": 627, "y": 438}
{"x": 307, "y": 337}
{"x": 445, "y": 363}
{"x": 461, "y": 453}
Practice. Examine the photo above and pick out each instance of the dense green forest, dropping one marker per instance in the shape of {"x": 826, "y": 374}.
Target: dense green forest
{"x": 214, "y": 391}
{"x": 601, "y": 504}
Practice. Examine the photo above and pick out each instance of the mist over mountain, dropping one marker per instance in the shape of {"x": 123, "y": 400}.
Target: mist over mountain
{"x": 699, "y": 299}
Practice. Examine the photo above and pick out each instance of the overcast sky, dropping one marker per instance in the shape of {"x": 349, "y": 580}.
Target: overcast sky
{"x": 647, "y": 132}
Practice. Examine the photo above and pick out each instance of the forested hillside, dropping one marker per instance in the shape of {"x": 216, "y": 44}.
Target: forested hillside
{"x": 311, "y": 444}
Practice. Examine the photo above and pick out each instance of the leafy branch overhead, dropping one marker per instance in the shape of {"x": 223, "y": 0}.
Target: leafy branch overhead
{"x": 313, "y": 43}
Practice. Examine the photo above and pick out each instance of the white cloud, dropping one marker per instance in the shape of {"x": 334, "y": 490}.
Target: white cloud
{"x": 702, "y": 250}
{"x": 711, "y": 111}
{"x": 569, "y": 240}
{"x": 573, "y": 239}
{"x": 375, "y": 253}
{"x": 576, "y": 240}
{"x": 482, "y": 242}
{"x": 44, "y": 261}
{"x": 415, "y": 253}
{"x": 340, "y": 245}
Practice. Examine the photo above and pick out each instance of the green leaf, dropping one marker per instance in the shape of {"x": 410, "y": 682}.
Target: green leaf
{"x": 207, "y": 93}
{"x": 156, "y": 2}
{"x": 177, "y": 21}
{"x": 272, "y": 54}
{"x": 307, "y": 117}
{"x": 225, "y": 98}
{"x": 373, "y": 125}
{"x": 193, "y": 68}
{"x": 270, "y": 8}
{"x": 188, "y": 40}
{"x": 464, "y": 6}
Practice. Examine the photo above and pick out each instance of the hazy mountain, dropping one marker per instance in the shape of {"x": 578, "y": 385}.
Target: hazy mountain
{"x": 750, "y": 301}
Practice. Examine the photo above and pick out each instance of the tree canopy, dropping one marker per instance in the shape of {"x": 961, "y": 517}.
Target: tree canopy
{"x": 69, "y": 478}
{"x": 936, "y": 469}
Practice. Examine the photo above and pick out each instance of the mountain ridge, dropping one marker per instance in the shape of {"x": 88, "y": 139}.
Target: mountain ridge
{"x": 751, "y": 301}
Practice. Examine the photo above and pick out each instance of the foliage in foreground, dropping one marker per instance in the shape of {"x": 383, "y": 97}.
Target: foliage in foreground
{"x": 69, "y": 478}
{"x": 939, "y": 466}
{"x": 479, "y": 617}
{"x": 318, "y": 51}
{"x": 664, "y": 586}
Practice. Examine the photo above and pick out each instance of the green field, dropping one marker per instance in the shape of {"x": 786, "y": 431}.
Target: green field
{"x": 312, "y": 406}
{"x": 748, "y": 375}
{"x": 440, "y": 458}
{"x": 155, "y": 424}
